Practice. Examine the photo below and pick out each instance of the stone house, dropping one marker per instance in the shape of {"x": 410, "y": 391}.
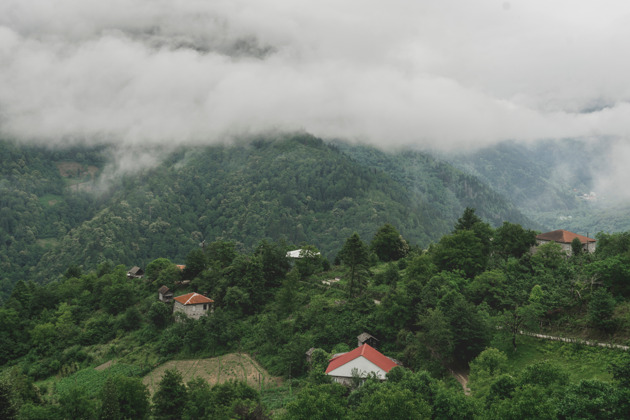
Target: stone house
{"x": 564, "y": 239}
{"x": 193, "y": 305}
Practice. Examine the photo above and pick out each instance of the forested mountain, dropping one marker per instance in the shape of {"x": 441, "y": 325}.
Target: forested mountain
{"x": 551, "y": 182}
{"x": 295, "y": 188}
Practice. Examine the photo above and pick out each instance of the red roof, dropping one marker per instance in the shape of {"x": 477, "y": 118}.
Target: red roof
{"x": 366, "y": 351}
{"x": 563, "y": 237}
{"x": 193, "y": 299}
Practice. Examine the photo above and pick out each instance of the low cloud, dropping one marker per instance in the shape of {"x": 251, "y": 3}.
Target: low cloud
{"x": 449, "y": 75}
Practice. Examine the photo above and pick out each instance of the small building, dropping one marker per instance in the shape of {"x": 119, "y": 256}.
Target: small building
{"x": 165, "y": 294}
{"x": 298, "y": 253}
{"x": 362, "y": 361}
{"x": 564, "y": 239}
{"x": 309, "y": 355}
{"x": 365, "y": 338}
{"x": 193, "y": 305}
{"x": 135, "y": 273}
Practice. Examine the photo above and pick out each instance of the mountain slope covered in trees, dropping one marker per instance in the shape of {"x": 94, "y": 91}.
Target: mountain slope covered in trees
{"x": 295, "y": 188}
{"x": 549, "y": 180}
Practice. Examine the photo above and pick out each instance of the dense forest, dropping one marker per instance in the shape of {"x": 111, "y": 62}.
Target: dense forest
{"x": 58, "y": 208}
{"x": 459, "y": 305}
{"x": 549, "y": 180}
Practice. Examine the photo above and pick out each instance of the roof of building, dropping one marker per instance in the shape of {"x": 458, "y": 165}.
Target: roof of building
{"x": 563, "y": 237}
{"x": 297, "y": 253}
{"x": 193, "y": 299}
{"x": 370, "y": 353}
{"x": 135, "y": 270}
{"x": 365, "y": 336}
{"x": 164, "y": 289}
{"x": 180, "y": 266}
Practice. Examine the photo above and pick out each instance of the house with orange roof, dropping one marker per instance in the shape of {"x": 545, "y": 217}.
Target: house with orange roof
{"x": 564, "y": 239}
{"x": 193, "y": 305}
{"x": 362, "y": 361}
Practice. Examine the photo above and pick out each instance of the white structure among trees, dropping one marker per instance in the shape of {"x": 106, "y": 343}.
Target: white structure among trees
{"x": 361, "y": 362}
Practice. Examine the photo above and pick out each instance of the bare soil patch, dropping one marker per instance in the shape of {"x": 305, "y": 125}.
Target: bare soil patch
{"x": 233, "y": 366}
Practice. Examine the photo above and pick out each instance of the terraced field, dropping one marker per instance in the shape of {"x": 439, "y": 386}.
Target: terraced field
{"x": 233, "y": 366}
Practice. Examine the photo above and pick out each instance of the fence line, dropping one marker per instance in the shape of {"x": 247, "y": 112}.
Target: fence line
{"x": 575, "y": 340}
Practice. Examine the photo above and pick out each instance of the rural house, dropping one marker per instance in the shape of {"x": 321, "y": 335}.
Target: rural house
{"x": 135, "y": 273}
{"x": 193, "y": 305}
{"x": 564, "y": 239}
{"x": 363, "y": 360}
{"x": 165, "y": 294}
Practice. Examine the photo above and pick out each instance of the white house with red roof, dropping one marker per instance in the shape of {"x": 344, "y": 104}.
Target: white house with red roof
{"x": 564, "y": 239}
{"x": 362, "y": 361}
{"x": 193, "y": 305}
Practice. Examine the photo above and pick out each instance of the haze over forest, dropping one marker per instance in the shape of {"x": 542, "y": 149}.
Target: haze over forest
{"x": 451, "y": 75}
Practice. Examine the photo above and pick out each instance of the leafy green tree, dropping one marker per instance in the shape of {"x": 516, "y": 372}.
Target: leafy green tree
{"x": 322, "y": 402}
{"x": 200, "y": 403}
{"x": 75, "y": 404}
{"x": 388, "y": 244}
{"x": 511, "y": 240}
{"x": 392, "y": 402}
{"x": 354, "y": 255}
{"x": 133, "y": 397}
{"x": 221, "y": 252}
{"x": 454, "y": 404}
{"x": 576, "y": 247}
{"x": 489, "y": 287}
{"x": 590, "y": 399}
{"x": 469, "y": 329}
{"x": 171, "y": 396}
{"x": 155, "y": 267}
{"x": 195, "y": 263}
{"x": 463, "y": 251}
{"x": 527, "y": 402}
{"x": 110, "y": 409}
{"x": 601, "y": 309}
{"x": 467, "y": 220}
{"x": 8, "y": 407}
{"x": 309, "y": 261}
{"x": 275, "y": 264}
{"x": 159, "y": 314}
{"x": 287, "y": 296}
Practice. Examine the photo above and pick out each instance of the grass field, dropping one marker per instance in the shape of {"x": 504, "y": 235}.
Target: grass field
{"x": 579, "y": 361}
{"x": 233, "y": 366}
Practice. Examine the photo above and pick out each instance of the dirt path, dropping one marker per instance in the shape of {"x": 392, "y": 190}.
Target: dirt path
{"x": 576, "y": 340}
{"x": 462, "y": 378}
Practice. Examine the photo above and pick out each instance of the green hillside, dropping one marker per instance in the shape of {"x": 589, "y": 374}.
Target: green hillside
{"x": 296, "y": 188}
{"x": 547, "y": 180}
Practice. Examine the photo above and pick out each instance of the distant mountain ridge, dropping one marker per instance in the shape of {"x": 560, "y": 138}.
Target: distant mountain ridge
{"x": 295, "y": 188}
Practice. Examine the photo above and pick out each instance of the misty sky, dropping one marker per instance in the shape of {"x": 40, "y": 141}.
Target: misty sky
{"x": 428, "y": 73}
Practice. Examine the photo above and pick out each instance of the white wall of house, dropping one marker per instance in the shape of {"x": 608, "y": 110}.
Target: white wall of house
{"x": 192, "y": 311}
{"x": 363, "y": 367}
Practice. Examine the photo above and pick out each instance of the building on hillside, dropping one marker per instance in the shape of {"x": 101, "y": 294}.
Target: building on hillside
{"x": 297, "y": 253}
{"x": 365, "y": 338}
{"x": 193, "y": 305}
{"x": 165, "y": 294}
{"x": 309, "y": 355}
{"x": 362, "y": 361}
{"x": 135, "y": 273}
{"x": 564, "y": 239}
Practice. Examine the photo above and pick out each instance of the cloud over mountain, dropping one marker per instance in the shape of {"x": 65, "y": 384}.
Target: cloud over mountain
{"x": 449, "y": 74}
